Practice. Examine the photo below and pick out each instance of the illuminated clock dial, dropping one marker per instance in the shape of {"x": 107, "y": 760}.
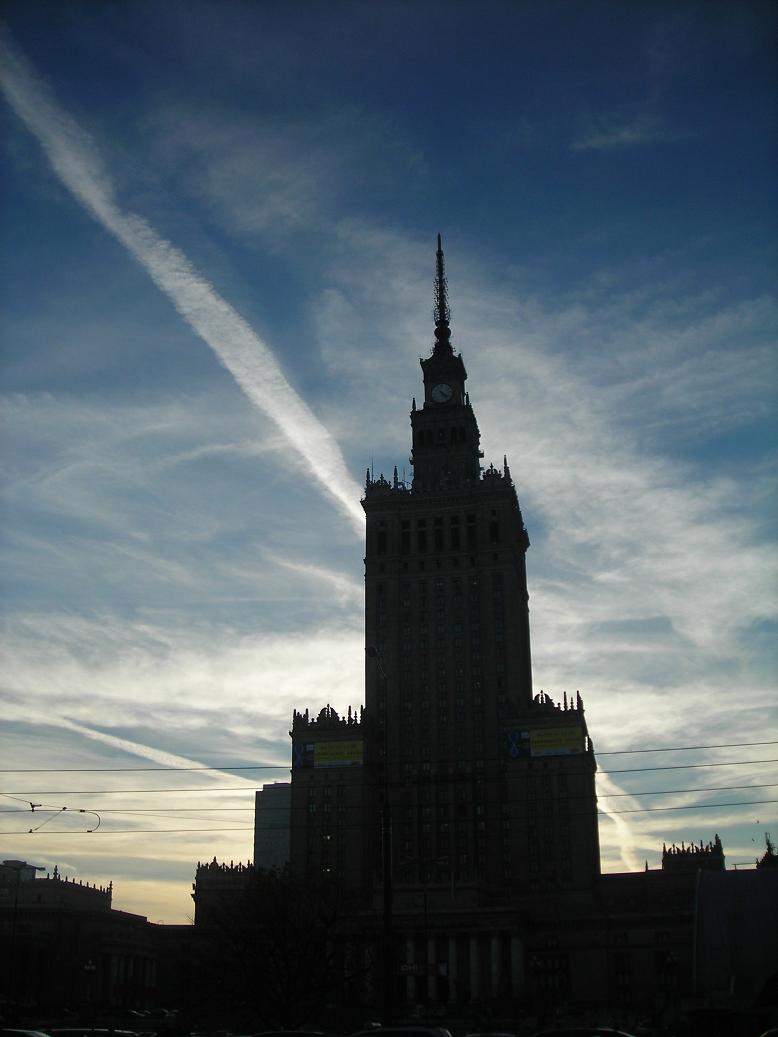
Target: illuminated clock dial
{"x": 442, "y": 392}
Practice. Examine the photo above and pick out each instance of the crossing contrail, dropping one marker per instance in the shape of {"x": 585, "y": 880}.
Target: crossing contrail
{"x": 77, "y": 162}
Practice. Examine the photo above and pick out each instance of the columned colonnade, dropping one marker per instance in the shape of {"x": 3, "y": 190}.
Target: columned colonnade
{"x": 460, "y": 967}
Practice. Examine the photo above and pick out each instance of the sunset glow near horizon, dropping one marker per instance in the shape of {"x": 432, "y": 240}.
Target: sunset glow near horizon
{"x": 218, "y": 256}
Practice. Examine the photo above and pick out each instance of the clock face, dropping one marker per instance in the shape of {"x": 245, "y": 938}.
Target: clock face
{"x": 442, "y": 392}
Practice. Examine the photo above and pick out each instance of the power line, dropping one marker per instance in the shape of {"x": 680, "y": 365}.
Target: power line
{"x": 244, "y": 810}
{"x": 668, "y": 792}
{"x": 135, "y": 831}
{"x": 438, "y": 779}
{"x": 286, "y": 766}
{"x": 163, "y": 811}
{"x": 248, "y": 828}
{"x": 684, "y": 766}
{"x": 680, "y": 748}
{"x": 691, "y": 806}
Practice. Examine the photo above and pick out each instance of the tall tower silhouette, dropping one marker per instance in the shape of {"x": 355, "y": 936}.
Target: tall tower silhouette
{"x": 458, "y": 786}
{"x": 450, "y": 687}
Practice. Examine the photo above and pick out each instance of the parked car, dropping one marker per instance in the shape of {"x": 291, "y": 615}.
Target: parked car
{"x": 94, "y": 1031}
{"x": 291, "y": 1033}
{"x": 403, "y": 1031}
{"x": 22, "y": 1033}
{"x": 582, "y": 1031}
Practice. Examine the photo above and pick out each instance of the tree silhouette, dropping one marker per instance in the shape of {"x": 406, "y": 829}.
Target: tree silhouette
{"x": 276, "y": 954}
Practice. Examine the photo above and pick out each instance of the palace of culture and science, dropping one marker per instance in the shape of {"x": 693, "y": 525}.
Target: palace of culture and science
{"x": 491, "y": 788}
{"x": 459, "y": 803}
{"x": 456, "y": 812}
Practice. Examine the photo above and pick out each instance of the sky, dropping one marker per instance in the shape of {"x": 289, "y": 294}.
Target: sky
{"x": 218, "y": 239}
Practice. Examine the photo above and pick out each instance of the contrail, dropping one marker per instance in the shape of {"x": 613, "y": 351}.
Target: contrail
{"x": 78, "y": 164}
{"x": 146, "y": 752}
{"x": 627, "y": 843}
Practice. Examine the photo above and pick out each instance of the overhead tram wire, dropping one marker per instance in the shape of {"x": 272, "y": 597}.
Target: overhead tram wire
{"x": 226, "y": 768}
{"x": 163, "y": 811}
{"x": 539, "y": 801}
{"x": 439, "y": 779}
{"x": 515, "y": 817}
{"x": 681, "y": 748}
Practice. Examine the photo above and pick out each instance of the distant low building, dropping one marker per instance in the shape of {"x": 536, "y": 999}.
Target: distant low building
{"x": 63, "y": 945}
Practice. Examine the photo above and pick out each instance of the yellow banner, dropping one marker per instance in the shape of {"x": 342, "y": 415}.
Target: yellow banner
{"x": 338, "y": 754}
{"x": 556, "y": 741}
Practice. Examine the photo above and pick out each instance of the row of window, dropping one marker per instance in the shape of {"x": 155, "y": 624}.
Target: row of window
{"x": 440, "y": 436}
{"x": 326, "y": 791}
{"x": 422, "y": 536}
{"x": 439, "y": 585}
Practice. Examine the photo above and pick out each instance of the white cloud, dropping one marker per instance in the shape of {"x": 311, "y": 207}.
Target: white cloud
{"x": 137, "y": 673}
{"x": 346, "y": 589}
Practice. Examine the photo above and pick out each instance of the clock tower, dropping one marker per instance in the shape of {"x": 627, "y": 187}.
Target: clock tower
{"x": 446, "y": 452}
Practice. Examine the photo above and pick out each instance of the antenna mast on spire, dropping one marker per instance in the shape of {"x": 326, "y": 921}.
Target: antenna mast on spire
{"x": 441, "y": 312}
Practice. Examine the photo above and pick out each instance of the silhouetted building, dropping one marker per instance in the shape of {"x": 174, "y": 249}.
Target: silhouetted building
{"x": 215, "y": 885}
{"x": 769, "y": 858}
{"x": 693, "y": 857}
{"x": 63, "y": 945}
{"x": 735, "y": 971}
{"x": 332, "y": 799}
{"x": 271, "y": 825}
{"x": 481, "y": 773}
{"x": 458, "y": 808}
{"x": 490, "y": 785}
{"x": 455, "y": 813}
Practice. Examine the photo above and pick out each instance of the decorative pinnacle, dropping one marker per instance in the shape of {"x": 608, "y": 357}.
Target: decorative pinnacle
{"x": 442, "y": 313}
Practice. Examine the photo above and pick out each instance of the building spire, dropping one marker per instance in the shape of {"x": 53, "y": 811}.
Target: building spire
{"x": 442, "y": 313}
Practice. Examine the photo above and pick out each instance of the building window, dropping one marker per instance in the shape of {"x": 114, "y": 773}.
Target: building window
{"x": 421, "y": 535}
{"x": 471, "y": 531}
{"x": 405, "y": 536}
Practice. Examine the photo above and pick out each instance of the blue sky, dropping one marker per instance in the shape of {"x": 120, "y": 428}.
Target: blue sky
{"x": 218, "y": 242}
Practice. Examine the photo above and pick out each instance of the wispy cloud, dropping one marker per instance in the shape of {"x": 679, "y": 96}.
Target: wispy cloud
{"x": 141, "y": 674}
{"x": 76, "y": 161}
{"x": 346, "y": 589}
{"x": 609, "y": 133}
{"x": 302, "y": 169}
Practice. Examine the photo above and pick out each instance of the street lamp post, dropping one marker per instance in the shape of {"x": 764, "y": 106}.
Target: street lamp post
{"x": 387, "y": 943}
{"x": 89, "y": 977}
